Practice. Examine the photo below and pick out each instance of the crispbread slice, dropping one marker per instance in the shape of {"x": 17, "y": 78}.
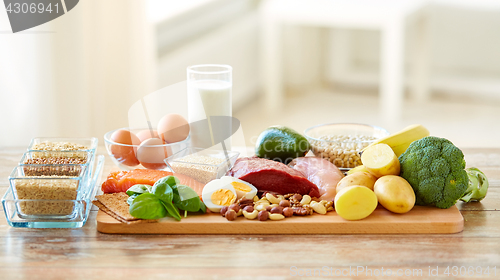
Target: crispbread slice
{"x": 116, "y": 203}
{"x": 106, "y": 210}
{"x": 116, "y": 206}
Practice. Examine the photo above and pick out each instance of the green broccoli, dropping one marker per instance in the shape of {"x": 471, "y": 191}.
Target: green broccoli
{"x": 478, "y": 185}
{"x": 435, "y": 168}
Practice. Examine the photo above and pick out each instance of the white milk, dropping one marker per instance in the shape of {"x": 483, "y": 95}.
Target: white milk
{"x": 209, "y": 98}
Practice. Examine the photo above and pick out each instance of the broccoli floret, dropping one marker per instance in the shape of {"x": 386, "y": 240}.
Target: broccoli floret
{"x": 434, "y": 167}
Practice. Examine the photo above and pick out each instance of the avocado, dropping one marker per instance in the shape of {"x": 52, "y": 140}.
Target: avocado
{"x": 281, "y": 143}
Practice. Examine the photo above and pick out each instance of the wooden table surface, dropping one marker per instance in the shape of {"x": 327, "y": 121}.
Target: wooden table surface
{"x": 85, "y": 253}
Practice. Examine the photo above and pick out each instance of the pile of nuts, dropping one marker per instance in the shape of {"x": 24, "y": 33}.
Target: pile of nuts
{"x": 276, "y": 207}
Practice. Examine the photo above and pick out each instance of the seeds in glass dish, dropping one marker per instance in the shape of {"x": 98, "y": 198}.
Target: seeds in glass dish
{"x": 55, "y": 160}
{"x": 341, "y": 150}
{"x": 58, "y": 146}
{"x": 67, "y": 149}
{"x": 199, "y": 167}
{"x": 45, "y": 192}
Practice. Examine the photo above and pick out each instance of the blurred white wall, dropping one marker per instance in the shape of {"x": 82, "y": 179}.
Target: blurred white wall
{"x": 464, "y": 54}
{"x": 79, "y": 74}
{"x": 76, "y": 75}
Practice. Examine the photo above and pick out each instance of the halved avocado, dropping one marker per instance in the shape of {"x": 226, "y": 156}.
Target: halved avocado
{"x": 281, "y": 143}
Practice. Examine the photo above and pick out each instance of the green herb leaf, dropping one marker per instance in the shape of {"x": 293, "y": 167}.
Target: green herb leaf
{"x": 138, "y": 189}
{"x": 169, "y": 180}
{"x": 203, "y": 207}
{"x": 188, "y": 199}
{"x": 163, "y": 192}
{"x": 131, "y": 198}
{"x": 147, "y": 206}
{"x": 172, "y": 210}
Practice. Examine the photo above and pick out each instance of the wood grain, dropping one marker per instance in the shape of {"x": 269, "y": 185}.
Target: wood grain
{"x": 86, "y": 253}
{"x": 418, "y": 220}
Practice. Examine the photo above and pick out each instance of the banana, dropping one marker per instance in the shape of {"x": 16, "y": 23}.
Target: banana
{"x": 400, "y": 140}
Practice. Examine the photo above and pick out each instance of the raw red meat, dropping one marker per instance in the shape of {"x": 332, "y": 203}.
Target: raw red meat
{"x": 272, "y": 176}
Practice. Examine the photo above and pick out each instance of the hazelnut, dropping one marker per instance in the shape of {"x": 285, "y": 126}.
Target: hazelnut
{"x": 285, "y": 203}
{"x": 297, "y": 197}
{"x": 235, "y": 207}
{"x": 277, "y": 210}
{"x": 268, "y": 208}
{"x": 249, "y": 209}
{"x": 287, "y": 212}
{"x": 223, "y": 210}
{"x": 231, "y": 215}
{"x": 263, "y": 215}
{"x": 245, "y": 201}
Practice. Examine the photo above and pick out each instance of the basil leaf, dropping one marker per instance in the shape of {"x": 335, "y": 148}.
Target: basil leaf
{"x": 131, "y": 198}
{"x": 176, "y": 198}
{"x": 188, "y": 199}
{"x": 203, "y": 207}
{"x": 163, "y": 192}
{"x": 172, "y": 211}
{"x": 138, "y": 189}
{"x": 147, "y": 206}
{"x": 169, "y": 180}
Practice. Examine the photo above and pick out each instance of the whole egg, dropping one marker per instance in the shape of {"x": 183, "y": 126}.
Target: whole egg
{"x": 173, "y": 128}
{"x": 123, "y": 151}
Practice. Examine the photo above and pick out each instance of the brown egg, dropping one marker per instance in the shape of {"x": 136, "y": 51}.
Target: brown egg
{"x": 125, "y": 154}
{"x": 173, "y": 128}
{"x": 146, "y": 134}
{"x": 151, "y": 153}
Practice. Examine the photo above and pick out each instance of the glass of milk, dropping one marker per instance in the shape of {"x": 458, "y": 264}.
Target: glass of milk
{"x": 209, "y": 94}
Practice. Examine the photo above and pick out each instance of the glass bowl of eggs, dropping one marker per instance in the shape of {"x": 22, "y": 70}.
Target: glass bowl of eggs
{"x": 133, "y": 148}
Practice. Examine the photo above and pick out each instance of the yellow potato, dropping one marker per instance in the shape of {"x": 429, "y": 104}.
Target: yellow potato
{"x": 380, "y": 160}
{"x": 355, "y": 202}
{"x": 395, "y": 194}
{"x": 359, "y": 168}
{"x": 359, "y": 178}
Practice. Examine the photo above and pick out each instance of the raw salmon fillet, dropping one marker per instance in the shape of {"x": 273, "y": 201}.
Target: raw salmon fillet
{"x": 121, "y": 181}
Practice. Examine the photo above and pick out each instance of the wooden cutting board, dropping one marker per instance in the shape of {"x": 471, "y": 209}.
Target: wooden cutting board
{"x": 419, "y": 220}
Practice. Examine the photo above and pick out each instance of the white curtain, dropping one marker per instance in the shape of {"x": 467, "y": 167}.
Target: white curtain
{"x": 75, "y": 76}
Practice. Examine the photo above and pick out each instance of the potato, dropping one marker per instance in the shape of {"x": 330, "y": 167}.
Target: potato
{"x": 359, "y": 168}
{"x": 380, "y": 160}
{"x": 359, "y": 178}
{"x": 395, "y": 194}
{"x": 355, "y": 202}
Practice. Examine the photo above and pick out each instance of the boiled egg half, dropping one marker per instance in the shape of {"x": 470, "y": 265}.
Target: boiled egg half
{"x": 217, "y": 194}
{"x": 242, "y": 188}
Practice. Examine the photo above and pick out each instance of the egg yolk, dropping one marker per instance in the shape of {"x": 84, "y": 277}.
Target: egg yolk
{"x": 241, "y": 187}
{"x": 222, "y": 197}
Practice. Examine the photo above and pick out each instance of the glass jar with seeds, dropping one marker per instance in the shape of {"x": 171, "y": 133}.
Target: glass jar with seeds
{"x": 63, "y": 147}
{"x": 203, "y": 165}
{"x": 340, "y": 143}
{"x": 44, "y": 164}
{"x": 45, "y": 195}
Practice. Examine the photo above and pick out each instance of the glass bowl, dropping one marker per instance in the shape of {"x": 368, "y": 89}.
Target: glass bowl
{"x": 126, "y": 156}
{"x": 340, "y": 143}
